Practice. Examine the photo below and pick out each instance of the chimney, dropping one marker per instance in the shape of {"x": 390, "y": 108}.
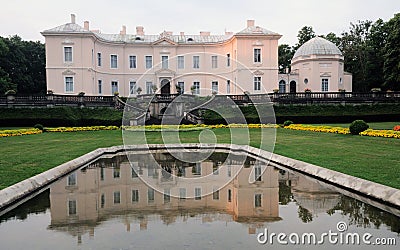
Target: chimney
{"x": 204, "y": 33}
{"x": 250, "y": 23}
{"x": 139, "y": 31}
{"x": 86, "y": 25}
{"x": 123, "y": 31}
{"x": 72, "y": 18}
{"x": 182, "y": 33}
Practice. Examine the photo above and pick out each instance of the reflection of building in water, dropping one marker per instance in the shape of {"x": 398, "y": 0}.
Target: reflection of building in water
{"x": 310, "y": 194}
{"x": 110, "y": 187}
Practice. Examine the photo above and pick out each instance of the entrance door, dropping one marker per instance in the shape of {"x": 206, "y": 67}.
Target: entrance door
{"x": 292, "y": 87}
{"x": 165, "y": 87}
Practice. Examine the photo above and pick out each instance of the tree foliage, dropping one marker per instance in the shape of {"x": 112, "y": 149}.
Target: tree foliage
{"x": 22, "y": 66}
{"x": 285, "y": 53}
{"x": 305, "y": 34}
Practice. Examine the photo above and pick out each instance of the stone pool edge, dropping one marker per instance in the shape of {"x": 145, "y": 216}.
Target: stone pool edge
{"x": 15, "y": 194}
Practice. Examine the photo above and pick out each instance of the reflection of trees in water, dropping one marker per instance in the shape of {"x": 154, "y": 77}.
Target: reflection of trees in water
{"x": 38, "y": 205}
{"x": 304, "y": 215}
{"x": 364, "y": 215}
{"x": 285, "y": 193}
{"x": 286, "y": 196}
{"x": 359, "y": 213}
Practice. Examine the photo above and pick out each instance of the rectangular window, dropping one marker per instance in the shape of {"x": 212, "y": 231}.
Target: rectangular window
{"x": 134, "y": 174}
{"x": 69, "y": 84}
{"x": 150, "y": 195}
{"x": 197, "y": 193}
{"x": 324, "y": 84}
{"x": 132, "y": 87}
{"x": 149, "y": 62}
{"x": 116, "y": 172}
{"x": 228, "y": 86}
{"x": 257, "y": 55}
{"x": 117, "y": 197}
{"x": 167, "y": 196}
{"x": 257, "y": 173}
{"x": 215, "y": 194}
{"x": 214, "y": 87}
{"x": 257, "y": 200}
{"x": 99, "y": 59}
{"x": 71, "y": 207}
{"x": 257, "y": 83}
{"x": 216, "y": 169}
{"x": 102, "y": 200}
{"x": 214, "y": 62}
{"x": 149, "y": 86}
{"x": 181, "y": 86}
{"x": 196, "y": 62}
{"x": 102, "y": 174}
{"x": 229, "y": 195}
{"x": 72, "y": 179}
{"x": 196, "y": 170}
{"x": 181, "y": 62}
{"x": 67, "y": 54}
{"x": 135, "y": 195}
{"x": 114, "y": 61}
{"x": 182, "y": 193}
{"x": 100, "y": 87}
{"x": 132, "y": 62}
{"x": 114, "y": 87}
{"x": 196, "y": 88}
{"x": 228, "y": 60}
{"x": 164, "y": 62}
{"x": 229, "y": 171}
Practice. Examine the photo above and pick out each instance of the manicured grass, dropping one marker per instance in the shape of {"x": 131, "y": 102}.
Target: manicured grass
{"x": 373, "y": 125}
{"x": 370, "y": 158}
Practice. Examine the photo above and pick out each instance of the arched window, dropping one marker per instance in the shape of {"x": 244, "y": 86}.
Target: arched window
{"x": 282, "y": 86}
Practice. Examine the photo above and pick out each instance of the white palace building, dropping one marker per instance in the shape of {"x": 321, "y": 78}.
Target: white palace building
{"x": 82, "y": 60}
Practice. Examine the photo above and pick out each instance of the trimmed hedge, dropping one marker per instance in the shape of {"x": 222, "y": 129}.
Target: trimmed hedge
{"x": 72, "y": 116}
{"x": 59, "y": 116}
{"x": 320, "y": 114}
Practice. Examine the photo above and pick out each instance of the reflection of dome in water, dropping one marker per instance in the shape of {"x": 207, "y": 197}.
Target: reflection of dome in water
{"x": 317, "y": 203}
{"x": 317, "y": 46}
{"x": 314, "y": 196}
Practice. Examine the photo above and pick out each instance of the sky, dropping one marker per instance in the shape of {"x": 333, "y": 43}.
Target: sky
{"x": 27, "y": 18}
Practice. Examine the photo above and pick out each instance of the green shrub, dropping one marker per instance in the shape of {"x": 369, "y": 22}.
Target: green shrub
{"x": 287, "y": 123}
{"x": 39, "y": 126}
{"x": 358, "y": 126}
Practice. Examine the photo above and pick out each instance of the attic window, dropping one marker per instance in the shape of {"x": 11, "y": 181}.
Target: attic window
{"x": 138, "y": 38}
{"x": 190, "y": 39}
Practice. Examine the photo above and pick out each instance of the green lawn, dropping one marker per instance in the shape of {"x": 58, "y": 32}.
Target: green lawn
{"x": 370, "y": 158}
{"x": 373, "y": 125}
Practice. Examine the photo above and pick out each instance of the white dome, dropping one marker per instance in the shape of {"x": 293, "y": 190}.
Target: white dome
{"x": 317, "y": 46}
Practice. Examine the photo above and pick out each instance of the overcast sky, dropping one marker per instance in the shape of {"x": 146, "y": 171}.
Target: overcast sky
{"x": 28, "y": 18}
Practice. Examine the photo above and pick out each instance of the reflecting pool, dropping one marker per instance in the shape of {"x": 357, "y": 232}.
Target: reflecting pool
{"x": 125, "y": 202}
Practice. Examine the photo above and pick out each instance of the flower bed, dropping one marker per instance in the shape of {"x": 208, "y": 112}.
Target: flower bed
{"x": 19, "y": 132}
{"x": 76, "y": 129}
{"x": 325, "y": 129}
{"x": 396, "y": 128}
{"x": 341, "y": 130}
{"x": 381, "y": 133}
{"x": 193, "y": 127}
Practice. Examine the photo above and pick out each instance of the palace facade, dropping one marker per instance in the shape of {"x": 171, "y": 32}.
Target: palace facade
{"x": 82, "y": 60}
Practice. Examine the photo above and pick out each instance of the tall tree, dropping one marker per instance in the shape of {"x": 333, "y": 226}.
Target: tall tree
{"x": 24, "y": 64}
{"x": 5, "y": 80}
{"x": 285, "y": 55}
{"x": 355, "y": 50}
{"x": 391, "y": 68}
{"x": 305, "y": 34}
